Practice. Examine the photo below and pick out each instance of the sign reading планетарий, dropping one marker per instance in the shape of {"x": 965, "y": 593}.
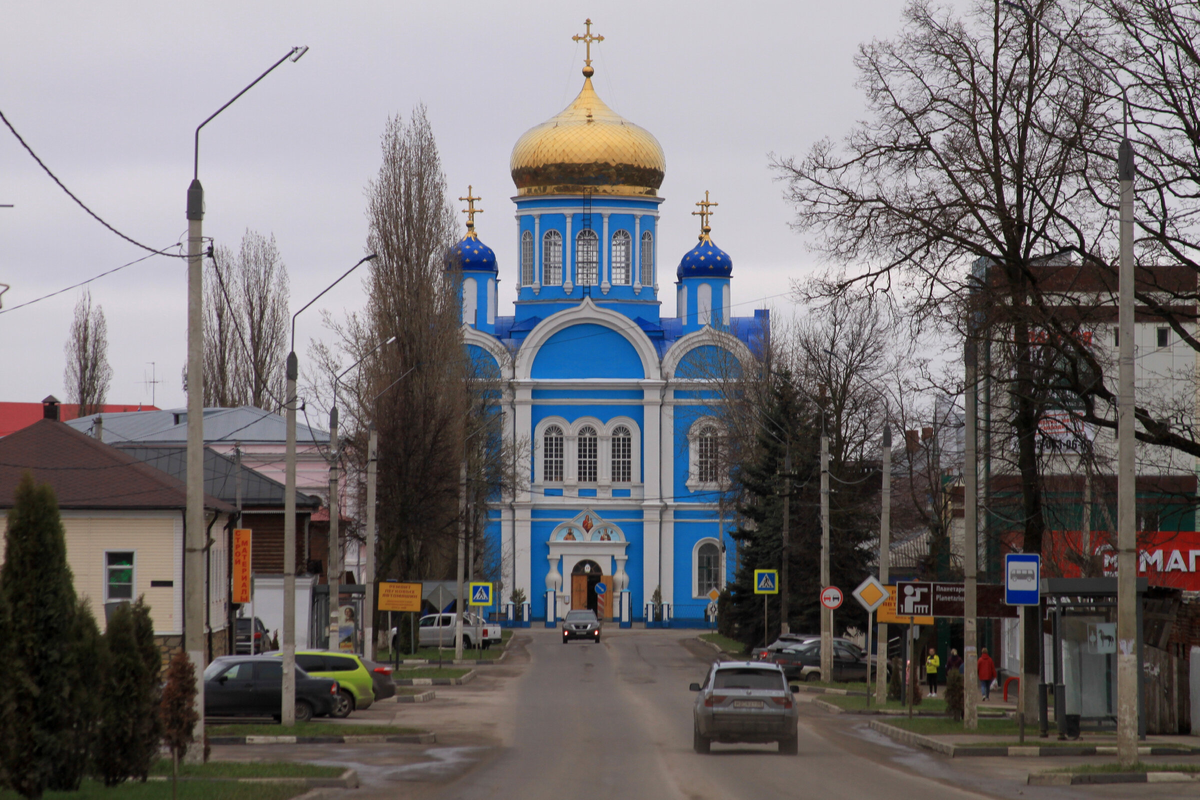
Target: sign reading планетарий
{"x": 944, "y": 599}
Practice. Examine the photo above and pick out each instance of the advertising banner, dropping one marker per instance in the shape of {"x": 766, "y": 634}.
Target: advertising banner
{"x": 1165, "y": 558}
{"x": 241, "y": 565}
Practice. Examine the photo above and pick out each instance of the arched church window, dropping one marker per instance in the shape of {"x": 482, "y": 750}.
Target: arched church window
{"x": 622, "y": 455}
{"x": 552, "y": 455}
{"x": 587, "y": 257}
{"x": 706, "y": 455}
{"x": 708, "y": 569}
{"x": 588, "y": 460}
{"x": 704, "y": 305}
{"x": 552, "y": 253}
{"x": 647, "y": 259}
{"x": 527, "y": 259}
{"x": 622, "y": 254}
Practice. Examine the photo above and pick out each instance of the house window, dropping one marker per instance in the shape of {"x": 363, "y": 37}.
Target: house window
{"x": 588, "y": 462}
{"x": 1164, "y": 336}
{"x": 622, "y": 455}
{"x": 552, "y": 455}
{"x": 708, "y": 569}
{"x": 587, "y": 257}
{"x": 622, "y": 253}
{"x": 647, "y": 259}
{"x": 526, "y": 259}
{"x": 552, "y": 258}
{"x": 118, "y": 576}
{"x": 706, "y": 454}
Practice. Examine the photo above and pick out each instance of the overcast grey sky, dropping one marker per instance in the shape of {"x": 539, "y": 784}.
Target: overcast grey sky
{"x": 109, "y": 95}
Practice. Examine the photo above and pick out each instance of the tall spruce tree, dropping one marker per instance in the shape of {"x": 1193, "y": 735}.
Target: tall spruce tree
{"x": 130, "y": 728}
{"x": 85, "y": 659}
{"x": 37, "y": 587}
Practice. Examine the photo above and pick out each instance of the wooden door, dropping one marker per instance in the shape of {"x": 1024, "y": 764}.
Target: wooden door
{"x": 579, "y": 591}
{"x": 608, "y": 598}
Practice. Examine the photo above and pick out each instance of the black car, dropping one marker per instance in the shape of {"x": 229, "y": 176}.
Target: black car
{"x": 381, "y": 680}
{"x": 252, "y": 686}
{"x": 581, "y": 624}
{"x": 803, "y": 661}
{"x": 242, "y": 637}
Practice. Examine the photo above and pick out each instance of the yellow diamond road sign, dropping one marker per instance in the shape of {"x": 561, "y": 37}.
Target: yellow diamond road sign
{"x": 713, "y": 595}
{"x": 871, "y": 594}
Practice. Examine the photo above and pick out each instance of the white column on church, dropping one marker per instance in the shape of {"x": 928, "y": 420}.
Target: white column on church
{"x": 537, "y": 253}
{"x": 568, "y": 258}
{"x": 637, "y": 253}
{"x": 605, "y": 258}
{"x": 667, "y": 533}
{"x": 653, "y": 494}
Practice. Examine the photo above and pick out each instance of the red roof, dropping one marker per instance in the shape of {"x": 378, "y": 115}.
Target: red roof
{"x": 87, "y": 474}
{"x": 14, "y": 416}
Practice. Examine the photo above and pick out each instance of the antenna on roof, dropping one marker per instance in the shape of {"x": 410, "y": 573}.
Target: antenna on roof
{"x": 152, "y": 383}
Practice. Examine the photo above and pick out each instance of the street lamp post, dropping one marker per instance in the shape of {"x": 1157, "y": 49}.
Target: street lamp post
{"x": 1127, "y": 667}
{"x": 288, "y": 710}
{"x": 194, "y": 578}
{"x": 885, "y": 553}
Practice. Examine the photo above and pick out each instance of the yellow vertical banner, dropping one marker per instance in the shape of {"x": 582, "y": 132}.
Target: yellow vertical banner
{"x": 241, "y": 565}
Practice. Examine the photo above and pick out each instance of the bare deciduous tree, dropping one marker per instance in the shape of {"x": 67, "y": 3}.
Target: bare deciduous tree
{"x": 87, "y": 374}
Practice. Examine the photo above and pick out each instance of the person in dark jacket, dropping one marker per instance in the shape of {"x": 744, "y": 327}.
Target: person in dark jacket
{"x": 954, "y": 662}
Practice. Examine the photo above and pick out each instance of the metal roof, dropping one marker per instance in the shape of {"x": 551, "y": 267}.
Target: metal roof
{"x": 244, "y": 424}
{"x": 220, "y": 476}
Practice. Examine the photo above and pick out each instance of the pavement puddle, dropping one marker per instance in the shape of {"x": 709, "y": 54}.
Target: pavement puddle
{"x": 447, "y": 761}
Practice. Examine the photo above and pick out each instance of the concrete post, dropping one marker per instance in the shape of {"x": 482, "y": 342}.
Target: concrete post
{"x": 970, "y": 546}
{"x": 826, "y": 614}
{"x": 1127, "y": 667}
{"x": 288, "y": 711}
{"x": 369, "y": 569}
{"x": 885, "y": 544}
{"x": 333, "y": 570}
{"x": 194, "y": 529}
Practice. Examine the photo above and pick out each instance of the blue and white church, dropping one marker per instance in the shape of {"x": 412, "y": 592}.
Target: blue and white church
{"x": 622, "y": 463}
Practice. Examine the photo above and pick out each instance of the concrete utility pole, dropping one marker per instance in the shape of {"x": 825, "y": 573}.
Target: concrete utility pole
{"x": 288, "y": 711}
{"x": 369, "y": 568}
{"x": 885, "y": 555}
{"x": 333, "y": 575}
{"x": 826, "y": 614}
{"x": 458, "y": 573}
{"x": 194, "y": 532}
{"x": 970, "y": 544}
{"x": 784, "y": 594}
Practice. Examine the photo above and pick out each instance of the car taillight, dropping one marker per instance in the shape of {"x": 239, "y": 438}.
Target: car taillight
{"x": 713, "y": 699}
{"x": 786, "y": 702}
{"x": 258, "y": 634}
{"x": 333, "y": 689}
{"x": 384, "y": 670}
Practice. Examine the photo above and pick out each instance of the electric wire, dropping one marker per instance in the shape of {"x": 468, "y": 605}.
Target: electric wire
{"x": 81, "y": 283}
{"x": 79, "y": 202}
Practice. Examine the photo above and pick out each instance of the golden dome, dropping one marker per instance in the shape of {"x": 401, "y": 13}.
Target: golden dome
{"x": 588, "y": 148}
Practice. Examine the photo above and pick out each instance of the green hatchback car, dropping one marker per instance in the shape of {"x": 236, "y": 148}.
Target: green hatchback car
{"x": 356, "y": 689}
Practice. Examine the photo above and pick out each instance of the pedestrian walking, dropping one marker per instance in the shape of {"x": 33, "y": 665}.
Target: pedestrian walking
{"x": 932, "y": 662}
{"x": 954, "y": 662}
{"x": 987, "y": 673}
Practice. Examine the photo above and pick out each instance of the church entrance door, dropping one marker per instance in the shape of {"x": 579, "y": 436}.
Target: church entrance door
{"x": 584, "y": 578}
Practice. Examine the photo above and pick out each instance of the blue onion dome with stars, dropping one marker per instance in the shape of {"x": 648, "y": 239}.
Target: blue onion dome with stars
{"x": 471, "y": 253}
{"x": 705, "y": 260}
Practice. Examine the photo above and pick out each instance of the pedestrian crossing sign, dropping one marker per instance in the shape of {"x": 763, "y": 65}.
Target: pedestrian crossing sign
{"x": 766, "y": 581}
{"x": 481, "y": 594}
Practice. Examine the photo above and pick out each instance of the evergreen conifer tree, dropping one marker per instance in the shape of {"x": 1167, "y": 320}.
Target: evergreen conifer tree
{"x": 85, "y": 659}
{"x": 129, "y": 729}
{"x": 38, "y": 589}
{"x": 178, "y": 711}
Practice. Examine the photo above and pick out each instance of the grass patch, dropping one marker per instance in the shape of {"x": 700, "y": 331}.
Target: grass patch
{"x": 432, "y": 671}
{"x": 853, "y": 686}
{"x": 859, "y": 702}
{"x": 1141, "y": 766}
{"x": 726, "y": 644}
{"x": 161, "y": 790}
{"x": 247, "y": 769}
{"x": 306, "y": 729}
{"x": 943, "y": 726}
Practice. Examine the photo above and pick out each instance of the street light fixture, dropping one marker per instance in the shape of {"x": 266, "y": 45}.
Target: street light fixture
{"x": 1127, "y": 666}
{"x": 288, "y": 710}
{"x": 194, "y": 528}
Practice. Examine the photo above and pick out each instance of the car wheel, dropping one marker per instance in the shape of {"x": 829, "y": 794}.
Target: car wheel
{"x": 467, "y": 643}
{"x": 304, "y": 711}
{"x": 596, "y": 640}
{"x": 813, "y": 677}
{"x": 342, "y": 705}
{"x": 701, "y": 744}
{"x": 789, "y": 747}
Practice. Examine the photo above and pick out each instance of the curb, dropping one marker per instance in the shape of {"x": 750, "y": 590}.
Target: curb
{"x": 1093, "y": 778}
{"x": 423, "y": 697}
{"x": 424, "y": 662}
{"x": 721, "y": 654}
{"x": 347, "y": 780}
{"x": 826, "y": 690}
{"x": 470, "y": 676}
{"x": 1027, "y": 751}
{"x": 406, "y": 738}
{"x": 830, "y": 707}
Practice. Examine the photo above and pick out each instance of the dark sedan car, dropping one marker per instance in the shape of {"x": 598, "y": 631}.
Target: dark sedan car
{"x": 252, "y": 686}
{"x": 803, "y": 661}
{"x": 581, "y": 624}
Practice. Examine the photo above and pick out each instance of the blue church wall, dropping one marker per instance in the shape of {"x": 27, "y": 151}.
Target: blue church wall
{"x": 691, "y": 526}
{"x": 603, "y": 413}
{"x": 587, "y": 351}
{"x": 707, "y": 362}
{"x": 543, "y": 523}
{"x": 685, "y": 417}
{"x": 483, "y": 362}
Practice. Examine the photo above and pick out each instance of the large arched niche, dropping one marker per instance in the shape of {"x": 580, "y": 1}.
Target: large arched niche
{"x": 488, "y": 357}
{"x": 707, "y": 355}
{"x": 587, "y": 342}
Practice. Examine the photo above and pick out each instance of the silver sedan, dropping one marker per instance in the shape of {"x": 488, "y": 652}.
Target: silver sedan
{"x": 744, "y": 701}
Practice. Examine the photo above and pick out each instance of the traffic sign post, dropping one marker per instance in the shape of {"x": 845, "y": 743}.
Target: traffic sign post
{"x": 601, "y": 598}
{"x": 766, "y": 582}
{"x": 1022, "y": 587}
{"x": 870, "y": 594}
{"x": 480, "y": 594}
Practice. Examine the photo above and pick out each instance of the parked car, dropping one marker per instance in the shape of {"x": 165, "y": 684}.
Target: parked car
{"x": 437, "y": 630}
{"x": 241, "y": 640}
{"x": 803, "y": 661}
{"x": 381, "y": 678}
{"x": 581, "y": 624}
{"x": 787, "y": 640}
{"x": 239, "y": 686}
{"x": 744, "y": 701}
{"x": 356, "y": 684}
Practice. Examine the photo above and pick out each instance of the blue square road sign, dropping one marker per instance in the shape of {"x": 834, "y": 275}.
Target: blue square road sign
{"x": 766, "y": 581}
{"x": 1022, "y": 579}
{"x": 481, "y": 594}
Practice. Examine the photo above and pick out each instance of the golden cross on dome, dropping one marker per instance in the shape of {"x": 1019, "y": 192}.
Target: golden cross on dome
{"x": 471, "y": 211}
{"x": 704, "y": 213}
{"x": 587, "y": 39}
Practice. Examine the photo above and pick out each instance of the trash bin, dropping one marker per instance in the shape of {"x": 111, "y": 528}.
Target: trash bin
{"x": 1072, "y": 731}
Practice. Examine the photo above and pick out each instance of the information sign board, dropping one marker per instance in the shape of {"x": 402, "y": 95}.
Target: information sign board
{"x": 399, "y": 596}
{"x": 241, "y": 565}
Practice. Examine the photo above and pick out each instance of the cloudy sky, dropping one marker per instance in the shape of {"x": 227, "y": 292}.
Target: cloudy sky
{"x": 109, "y": 95}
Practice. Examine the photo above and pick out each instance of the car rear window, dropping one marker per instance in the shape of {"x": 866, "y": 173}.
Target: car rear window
{"x": 749, "y": 678}
{"x": 580, "y": 616}
{"x": 311, "y": 663}
{"x": 340, "y": 664}
{"x": 268, "y": 671}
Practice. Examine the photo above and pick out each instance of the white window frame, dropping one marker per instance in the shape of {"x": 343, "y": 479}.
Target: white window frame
{"x": 704, "y": 304}
{"x": 133, "y": 581}
{"x": 540, "y": 445}
{"x": 589, "y": 235}
{"x": 622, "y": 257}
{"x": 647, "y": 262}
{"x": 470, "y": 301}
{"x": 527, "y": 258}
{"x": 612, "y": 440}
{"x": 693, "y": 482}
{"x": 552, "y": 258}
{"x": 595, "y": 434}
{"x": 696, "y": 589}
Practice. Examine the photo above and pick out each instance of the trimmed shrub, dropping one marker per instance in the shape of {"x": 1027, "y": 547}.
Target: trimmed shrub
{"x": 954, "y": 694}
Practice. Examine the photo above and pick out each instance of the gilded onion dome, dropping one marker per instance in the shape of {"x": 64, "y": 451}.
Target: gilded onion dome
{"x": 587, "y": 149}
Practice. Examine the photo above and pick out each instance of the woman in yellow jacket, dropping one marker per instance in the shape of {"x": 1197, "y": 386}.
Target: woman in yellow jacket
{"x": 931, "y": 671}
